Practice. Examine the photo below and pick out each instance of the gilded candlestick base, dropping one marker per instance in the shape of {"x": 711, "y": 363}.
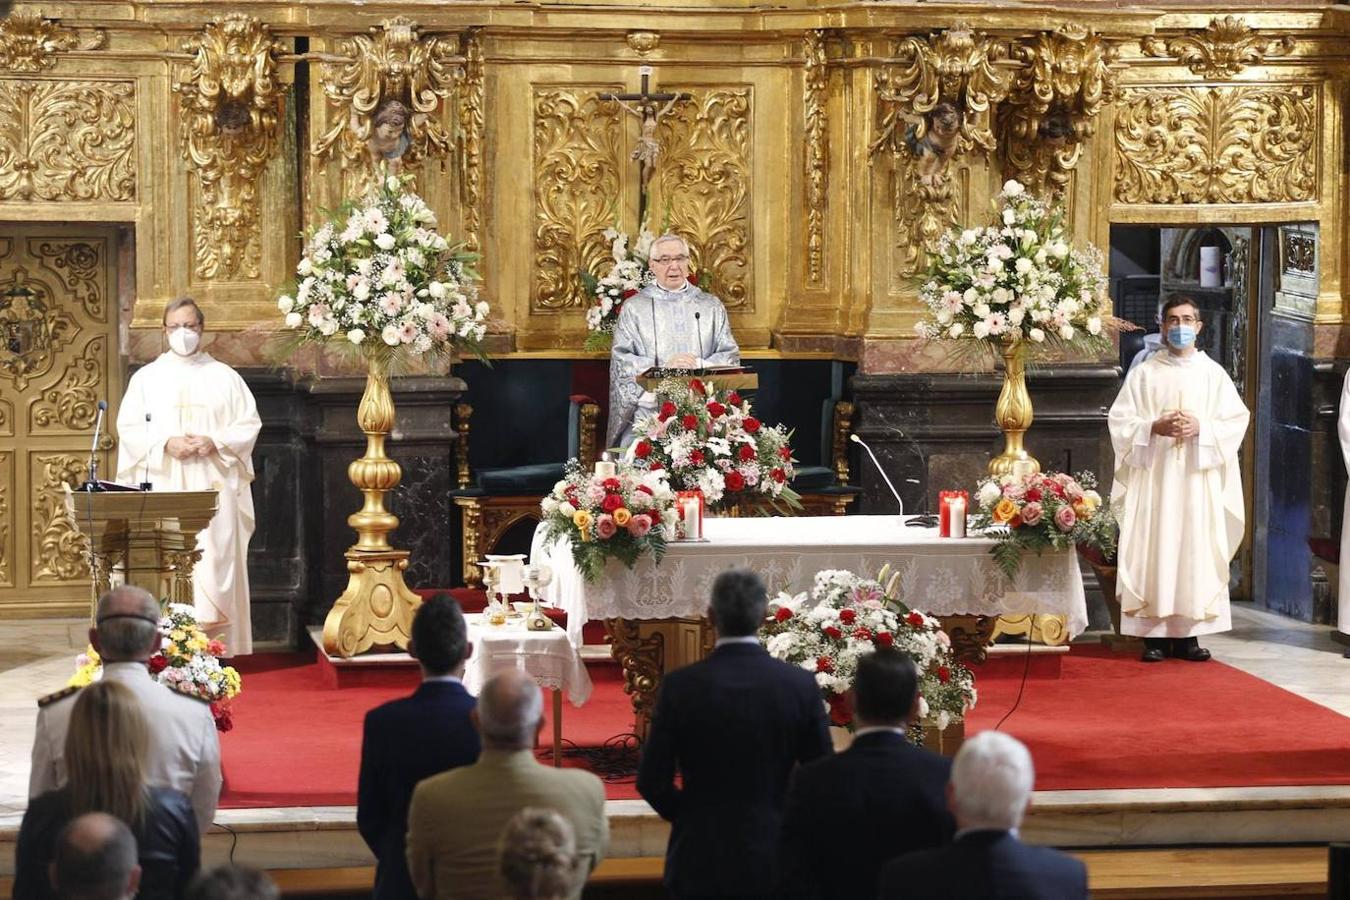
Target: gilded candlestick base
{"x": 1013, "y": 414}
{"x": 377, "y": 607}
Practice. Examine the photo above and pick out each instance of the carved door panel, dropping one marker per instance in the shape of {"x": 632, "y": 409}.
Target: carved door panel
{"x": 58, "y": 358}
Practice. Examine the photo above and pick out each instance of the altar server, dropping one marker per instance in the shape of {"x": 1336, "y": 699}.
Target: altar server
{"x": 1176, "y": 427}
{"x": 188, "y": 423}
{"x": 671, "y": 324}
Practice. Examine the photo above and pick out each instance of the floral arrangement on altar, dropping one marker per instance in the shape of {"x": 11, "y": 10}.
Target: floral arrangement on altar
{"x": 619, "y": 516}
{"x": 1017, "y": 280}
{"x": 186, "y": 662}
{"x": 379, "y": 278}
{"x": 626, "y": 277}
{"x": 845, "y": 618}
{"x": 1043, "y": 509}
{"x": 707, "y": 440}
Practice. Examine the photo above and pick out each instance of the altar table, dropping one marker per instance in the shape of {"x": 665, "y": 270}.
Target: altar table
{"x": 548, "y": 657}
{"x": 656, "y": 612}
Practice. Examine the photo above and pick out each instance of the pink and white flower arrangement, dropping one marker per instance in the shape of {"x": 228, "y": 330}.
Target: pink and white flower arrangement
{"x": 620, "y": 516}
{"x": 1040, "y": 510}
{"x": 626, "y": 276}
{"x": 379, "y": 278}
{"x": 708, "y": 440}
{"x": 1019, "y": 279}
{"x": 846, "y": 617}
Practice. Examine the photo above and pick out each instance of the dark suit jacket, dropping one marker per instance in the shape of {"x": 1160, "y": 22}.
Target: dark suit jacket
{"x": 405, "y": 741}
{"x": 167, "y": 844}
{"x": 885, "y": 792}
{"x": 733, "y": 726}
{"x": 987, "y": 864}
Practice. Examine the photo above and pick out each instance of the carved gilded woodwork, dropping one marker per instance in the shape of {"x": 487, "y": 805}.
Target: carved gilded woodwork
{"x": 30, "y": 43}
{"x": 67, "y": 140}
{"x": 59, "y": 552}
{"x": 642, "y": 658}
{"x": 472, "y": 127}
{"x": 704, "y": 184}
{"x": 463, "y": 412}
{"x": 72, "y": 403}
{"x": 1222, "y": 49}
{"x": 1051, "y": 111}
{"x": 229, "y": 97}
{"x": 6, "y": 525}
{"x": 34, "y": 327}
{"x": 643, "y": 42}
{"x": 817, "y": 151}
{"x": 1228, "y": 144}
{"x": 395, "y": 61}
{"x": 840, "y": 431}
{"x": 78, "y": 268}
{"x": 578, "y": 157}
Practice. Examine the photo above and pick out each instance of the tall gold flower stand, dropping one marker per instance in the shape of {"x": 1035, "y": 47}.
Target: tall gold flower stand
{"x": 377, "y": 608}
{"x": 1014, "y": 416}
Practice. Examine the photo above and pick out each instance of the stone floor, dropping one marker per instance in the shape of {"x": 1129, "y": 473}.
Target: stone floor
{"x": 37, "y": 657}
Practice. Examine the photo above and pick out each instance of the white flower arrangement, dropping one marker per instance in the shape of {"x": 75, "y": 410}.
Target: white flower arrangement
{"x": 1019, "y": 279}
{"x": 628, "y": 275}
{"x": 847, "y": 617}
{"x": 379, "y": 278}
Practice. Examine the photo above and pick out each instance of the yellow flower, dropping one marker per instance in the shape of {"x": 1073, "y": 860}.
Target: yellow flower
{"x": 622, "y": 516}
{"x": 177, "y": 635}
{"x": 581, "y": 519}
{"x": 1005, "y": 511}
{"x": 1084, "y": 509}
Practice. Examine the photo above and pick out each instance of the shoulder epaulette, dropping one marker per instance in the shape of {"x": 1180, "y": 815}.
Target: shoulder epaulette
{"x": 59, "y": 695}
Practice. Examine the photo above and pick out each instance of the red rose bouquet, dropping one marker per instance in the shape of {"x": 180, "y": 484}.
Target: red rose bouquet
{"x": 707, "y": 440}
{"x": 1042, "y": 509}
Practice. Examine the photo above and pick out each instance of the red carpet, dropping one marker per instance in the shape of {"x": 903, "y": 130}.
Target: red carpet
{"x": 1109, "y": 722}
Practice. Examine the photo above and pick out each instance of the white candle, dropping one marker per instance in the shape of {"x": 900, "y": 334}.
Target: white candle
{"x": 956, "y": 517}
{"x": 605, "y": 469}
{"x": 1211, "y": 263}
{"x": 689, "y": 511}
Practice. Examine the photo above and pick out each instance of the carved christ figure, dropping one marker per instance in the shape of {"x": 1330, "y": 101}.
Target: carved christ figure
{"x": 648, "y": 147}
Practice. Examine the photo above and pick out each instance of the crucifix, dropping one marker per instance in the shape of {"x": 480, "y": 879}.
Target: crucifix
{"x": 649, "y": 108}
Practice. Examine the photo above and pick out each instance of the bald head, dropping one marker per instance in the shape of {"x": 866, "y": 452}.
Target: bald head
{"x": 509, "y": 711}
{"x": 126, "y": 625}
{"x": 95, "y": 859}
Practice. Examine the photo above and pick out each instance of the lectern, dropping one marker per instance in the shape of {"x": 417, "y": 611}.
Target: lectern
{"x": 150, "y": 535}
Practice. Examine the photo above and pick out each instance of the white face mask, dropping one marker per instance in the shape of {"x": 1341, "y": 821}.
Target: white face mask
{"x": 184, "y": 341}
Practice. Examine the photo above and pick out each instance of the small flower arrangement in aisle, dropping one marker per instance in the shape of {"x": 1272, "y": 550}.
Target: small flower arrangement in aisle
{"x": 1043, "y": 509}
{"x": 628, "y": 275}
{"x": 187, "y": 662}
{"x": 847, "y": 617}
{"x": 377, "y": 277}
{"x": 619, "y": 516}
{"x": 707, "y": 440}
{"x": 1017, "y": 280}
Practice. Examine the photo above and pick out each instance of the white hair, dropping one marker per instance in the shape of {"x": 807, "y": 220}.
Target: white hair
{"x": 509, "y": 710}
{"x": 668, "y": 238}
{"x": 992, "y": 777}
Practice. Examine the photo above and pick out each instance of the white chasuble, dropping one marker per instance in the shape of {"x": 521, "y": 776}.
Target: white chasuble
{"x": 1343, "y": 599}
{"x": 1179, "y": 501}
{"x": 655, "y": 325}
{"x": 198, "y": 395}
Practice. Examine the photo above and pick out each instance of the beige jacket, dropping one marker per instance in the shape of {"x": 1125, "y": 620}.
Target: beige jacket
{"x": 457, "y": 818}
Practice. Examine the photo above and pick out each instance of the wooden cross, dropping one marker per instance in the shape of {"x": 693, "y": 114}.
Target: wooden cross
{"x": 649, "y": 108}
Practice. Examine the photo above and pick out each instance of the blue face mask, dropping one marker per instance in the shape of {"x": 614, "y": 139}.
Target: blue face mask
{"x": 1181, "y": 336}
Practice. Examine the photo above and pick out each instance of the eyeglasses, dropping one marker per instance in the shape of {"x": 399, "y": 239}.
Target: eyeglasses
{"x": 667, "y": 260}
{"x": 196, "y": 328}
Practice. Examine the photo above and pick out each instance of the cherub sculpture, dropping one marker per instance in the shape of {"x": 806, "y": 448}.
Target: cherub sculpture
{"x": 389, "y": 139}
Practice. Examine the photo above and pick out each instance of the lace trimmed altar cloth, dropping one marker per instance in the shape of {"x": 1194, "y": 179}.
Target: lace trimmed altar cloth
{"x": 548, "y": 657}
{"x": 941, "y": 576}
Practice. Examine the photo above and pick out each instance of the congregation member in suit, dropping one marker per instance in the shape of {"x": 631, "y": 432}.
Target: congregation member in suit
{"x": 989, "y": 791}
{"x": 184, "y": 745}
{"x": 457, "y": 817}
{"x": 732, "y": 726}
{"x": 414, "y": 738}
{"x": 890, "y": 792}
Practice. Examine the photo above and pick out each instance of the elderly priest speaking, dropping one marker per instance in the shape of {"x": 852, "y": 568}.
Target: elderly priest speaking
{"x": 1176, "y": 428}
{"x": 188, "y": 423}
{"x": 671, "y": 324}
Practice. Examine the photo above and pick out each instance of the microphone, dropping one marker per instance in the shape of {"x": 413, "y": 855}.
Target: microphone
{"x": 698, "y": 327}
{"x": 145, "y": 478}
{"x": 656, "y": 337}
{"x": 92, "y": 483}
{"x": 857, "y": 440}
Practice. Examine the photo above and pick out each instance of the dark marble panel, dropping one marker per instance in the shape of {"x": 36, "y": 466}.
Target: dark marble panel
{"x": 422, "y": 504}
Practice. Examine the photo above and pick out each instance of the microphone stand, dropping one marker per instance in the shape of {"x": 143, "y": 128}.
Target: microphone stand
{"x": 896, "y": 494}
{"x": 92, "y": 485}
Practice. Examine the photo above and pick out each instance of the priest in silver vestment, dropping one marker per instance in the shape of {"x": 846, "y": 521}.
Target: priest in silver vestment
{"x": 670, "y": 324}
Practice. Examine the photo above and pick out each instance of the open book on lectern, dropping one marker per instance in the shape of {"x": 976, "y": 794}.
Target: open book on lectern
{"x": 726, "y": 378}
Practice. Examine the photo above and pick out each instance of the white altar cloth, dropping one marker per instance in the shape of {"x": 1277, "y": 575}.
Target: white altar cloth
{"x": 549, "y": 657}
{"x": 941, "y": 576}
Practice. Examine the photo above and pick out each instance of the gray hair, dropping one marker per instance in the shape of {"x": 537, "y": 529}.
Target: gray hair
{"x": 992, "y": 777}
{"x": 538, "y": 853}
{"x": 668, "y": 238}
{"x": 95, "y": 856}
{"x": 232, "y": 882}
{"x": 509, "y": 711}
{"x": 127, "y": 619}
{"x": 175, "y": 305}
{"x": 739, "y": 603}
